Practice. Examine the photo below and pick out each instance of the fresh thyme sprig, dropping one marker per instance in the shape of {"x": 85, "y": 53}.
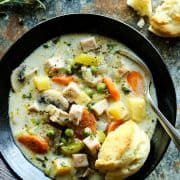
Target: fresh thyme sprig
{"x": 22, "y": 2}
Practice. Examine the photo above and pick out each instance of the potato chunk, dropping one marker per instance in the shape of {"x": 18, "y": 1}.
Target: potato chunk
{"x": 118, "y": 111}
{"x": 137, "y": 107}
{"x": 87, "y": 59}
{"x": 61, "y": 167}
{"x": 42, "y": 83}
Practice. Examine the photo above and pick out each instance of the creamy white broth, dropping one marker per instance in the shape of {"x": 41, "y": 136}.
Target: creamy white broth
{"x": 67, "y": 47}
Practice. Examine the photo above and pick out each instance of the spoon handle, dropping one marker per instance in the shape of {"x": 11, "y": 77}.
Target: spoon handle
{"x": 169, "y": 128}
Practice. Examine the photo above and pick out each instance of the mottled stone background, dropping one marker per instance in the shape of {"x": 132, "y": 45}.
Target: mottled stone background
{"x": 14, "y": 22}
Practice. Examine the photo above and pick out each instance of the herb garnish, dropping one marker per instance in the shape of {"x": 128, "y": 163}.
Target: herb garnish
{"x": 45, "y": 46}
{"x": 27, "y": 96}
{"x": 125, "y": 89}
{"x": 42, "y": 161}
{"x": 55, "y": 40}
{"x": 67, "y": 43}
{"x": 110, "y": 46}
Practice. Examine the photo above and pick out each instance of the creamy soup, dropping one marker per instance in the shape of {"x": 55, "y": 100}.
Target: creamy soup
{"x": 69, "y": 96}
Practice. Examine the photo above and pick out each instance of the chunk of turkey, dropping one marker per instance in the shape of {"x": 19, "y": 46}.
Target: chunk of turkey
{"x": 93, "y": 144}
{"x": 88, "y": 44}
{"x": 55, "y": 65}
{"x": 100, "y": 107}
{"x": 74, "y": 94}
{"x": 57, "y": 115}
{"x": 75, "y": 113}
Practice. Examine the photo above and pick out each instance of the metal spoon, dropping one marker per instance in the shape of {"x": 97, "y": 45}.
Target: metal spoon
{"x": 169, "y": 128}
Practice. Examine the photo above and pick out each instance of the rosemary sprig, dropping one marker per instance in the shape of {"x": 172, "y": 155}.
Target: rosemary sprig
{"x": 22, "y": 2}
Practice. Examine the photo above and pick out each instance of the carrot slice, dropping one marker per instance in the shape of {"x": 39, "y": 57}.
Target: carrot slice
{"x": 136, "y": 81}
{"x": 114, "y": 92}
{"x": 65, "y": 80}
{"x": 88, "y": 120}
{"x": 113, "y": 125}
{"x": 34, "y": 143}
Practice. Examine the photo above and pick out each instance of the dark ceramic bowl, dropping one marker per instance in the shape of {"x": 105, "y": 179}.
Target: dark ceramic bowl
{"x": 77, "y": 23}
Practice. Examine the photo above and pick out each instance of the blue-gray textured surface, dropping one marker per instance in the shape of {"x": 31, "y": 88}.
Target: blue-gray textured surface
{"x": 15, "y": 22}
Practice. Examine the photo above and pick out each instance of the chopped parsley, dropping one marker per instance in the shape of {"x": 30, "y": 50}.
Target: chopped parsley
{"x": 45, "y": 46}
{"x": 125, "y": 89}
{"x": 110, "y": 46}
{"x": 89, "y": 106}
{"x": 42, "y": 161}
{"x": 67, "y": 43}
{"x": 36, "y": 121}
{"x": 55, "y": 40}
{"x": 63, "y": 164}
{"x": 27, "y": 96}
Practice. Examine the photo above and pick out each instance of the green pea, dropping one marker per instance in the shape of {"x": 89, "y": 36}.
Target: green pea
{"x": 63, "y": 140}
{"x": 69, "y": 132}
{"x": 87, "y": 132}
{"x": 94, "y": 69}
{"x": 101, "y": 87}
{"x": 89, "y": 92}
{"x": 50, "y": 132}
{"x": 68, "y": 69}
